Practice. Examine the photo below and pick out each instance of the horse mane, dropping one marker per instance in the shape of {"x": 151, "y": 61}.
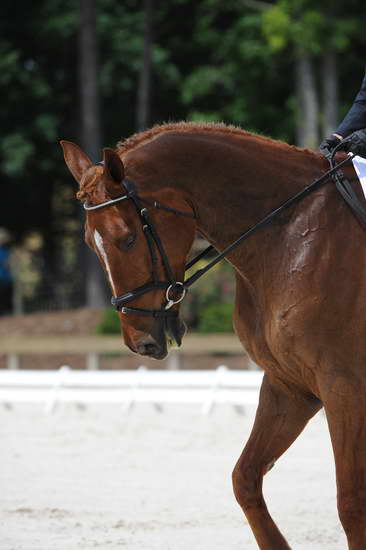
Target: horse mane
{"x": 141, "y": 138}
{"x": 219, "y": 128}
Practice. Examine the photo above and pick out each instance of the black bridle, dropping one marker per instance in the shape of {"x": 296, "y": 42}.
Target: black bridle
{"x": 175, "y": 291}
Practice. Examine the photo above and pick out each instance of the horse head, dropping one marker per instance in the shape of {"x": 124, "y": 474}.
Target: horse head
{"x": 141, "y": 245}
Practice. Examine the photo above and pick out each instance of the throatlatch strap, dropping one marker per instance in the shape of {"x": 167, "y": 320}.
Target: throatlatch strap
{"x": 159, "y": 206}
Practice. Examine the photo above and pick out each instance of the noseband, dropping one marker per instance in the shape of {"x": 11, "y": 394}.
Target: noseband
{"x": 175, "y": 291}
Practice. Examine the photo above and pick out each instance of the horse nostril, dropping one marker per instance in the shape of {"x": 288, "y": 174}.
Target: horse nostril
{"x": 145, "y": 349}
{"x": 152, "y": 349}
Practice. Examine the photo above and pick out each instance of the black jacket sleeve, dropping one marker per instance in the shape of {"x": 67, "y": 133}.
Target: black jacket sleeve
{"x": 355, "y": 119}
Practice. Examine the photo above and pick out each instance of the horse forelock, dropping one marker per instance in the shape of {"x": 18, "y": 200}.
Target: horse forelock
{"x": 89, "y": 189}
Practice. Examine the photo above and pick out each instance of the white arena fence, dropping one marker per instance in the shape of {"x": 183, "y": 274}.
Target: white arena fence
{"x": 129, "y": 388}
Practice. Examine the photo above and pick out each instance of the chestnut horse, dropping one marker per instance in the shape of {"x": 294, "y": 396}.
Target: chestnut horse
{"x": 300, "y": 285}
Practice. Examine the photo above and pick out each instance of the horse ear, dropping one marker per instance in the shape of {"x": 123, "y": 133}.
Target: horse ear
{"x": 77, "y": 161}
{"x": 113, "y": 165}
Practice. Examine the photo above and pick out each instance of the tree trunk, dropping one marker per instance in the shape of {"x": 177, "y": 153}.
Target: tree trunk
{"x": 330, "y": 93}
{"x": 144, "y": 86}
{"x": 95, "y": 286}
{"x": 307, "y": 102}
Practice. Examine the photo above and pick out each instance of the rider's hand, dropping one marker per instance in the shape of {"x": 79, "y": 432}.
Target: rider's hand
{"x": 356, "y": 143}
{"x": 327, "y": 145}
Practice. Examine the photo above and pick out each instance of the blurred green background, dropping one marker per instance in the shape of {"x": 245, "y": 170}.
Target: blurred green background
{"x": 95, "y": 71}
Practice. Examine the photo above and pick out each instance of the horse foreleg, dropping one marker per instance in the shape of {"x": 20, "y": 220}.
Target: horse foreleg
{"x": 345, "y": 407}
{"x": 281, "y": 416}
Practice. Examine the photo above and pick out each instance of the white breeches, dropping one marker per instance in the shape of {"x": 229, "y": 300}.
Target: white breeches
{"x": 360, "y": 167}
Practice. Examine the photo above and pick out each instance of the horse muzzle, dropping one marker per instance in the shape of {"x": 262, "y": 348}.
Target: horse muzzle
{"x": 166, "y": 334}
{"x": 152, "y": 348}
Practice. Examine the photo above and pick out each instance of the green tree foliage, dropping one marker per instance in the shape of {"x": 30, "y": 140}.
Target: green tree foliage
{"x": 312, "y": 26}
{"x": 216, "y": 318}
{"x": 110, "y": 323}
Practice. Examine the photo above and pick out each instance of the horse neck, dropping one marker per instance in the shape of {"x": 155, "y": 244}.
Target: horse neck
{"x": 231, "y": 181}
{"x": 234, "y": 182}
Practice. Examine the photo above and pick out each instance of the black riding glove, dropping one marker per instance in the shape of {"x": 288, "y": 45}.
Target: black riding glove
{"x": 356, "y": 143}
{"x": 327, "y": 145}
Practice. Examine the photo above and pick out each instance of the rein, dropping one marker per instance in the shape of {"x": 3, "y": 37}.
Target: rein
{"x": 345, "y": 188}
{"x": 176, "y": 290}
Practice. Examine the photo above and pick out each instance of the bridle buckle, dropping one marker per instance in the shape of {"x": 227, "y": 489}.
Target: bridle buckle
{"x": 173, "y": 287}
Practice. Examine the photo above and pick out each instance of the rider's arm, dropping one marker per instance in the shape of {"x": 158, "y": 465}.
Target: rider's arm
{"x": 355, "y": 119}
